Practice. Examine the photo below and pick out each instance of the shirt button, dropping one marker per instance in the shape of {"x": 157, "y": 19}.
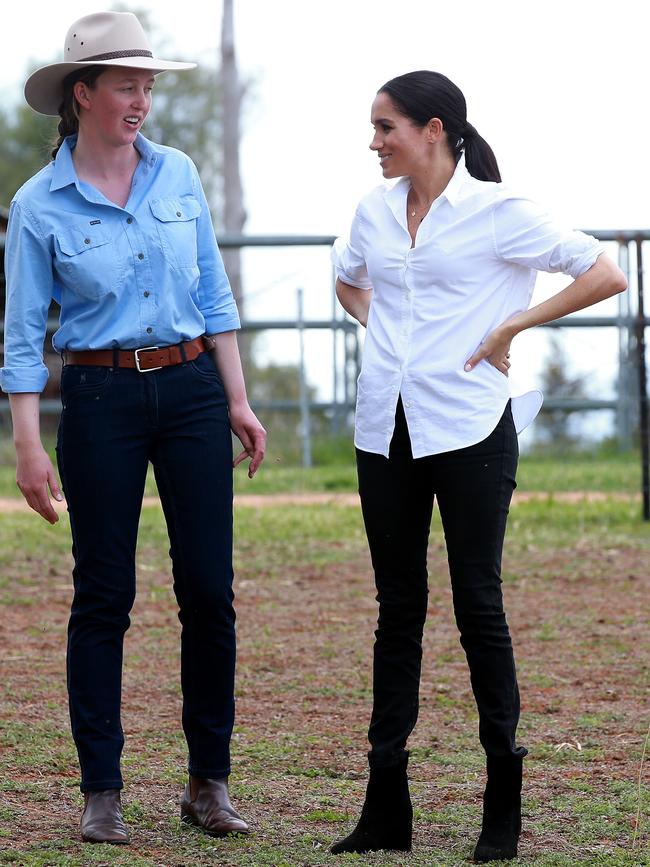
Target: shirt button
{"x": 149, "y": 330}
{"x": 146, "y": 294}
{"x": 178, "y": 214}
{"x": 86, "y": 240}
{"x": 140, "y": 255}
{"x": 129, "y": 220}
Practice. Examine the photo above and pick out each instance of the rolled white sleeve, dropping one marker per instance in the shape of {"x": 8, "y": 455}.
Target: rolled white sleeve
{"x": 348, "y": 258}
{"x": 525, "y": 234}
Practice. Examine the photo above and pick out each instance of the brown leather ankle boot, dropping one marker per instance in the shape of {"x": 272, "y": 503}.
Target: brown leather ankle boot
{"x": 206, "y": 804}
{"x": 102, "y": 820}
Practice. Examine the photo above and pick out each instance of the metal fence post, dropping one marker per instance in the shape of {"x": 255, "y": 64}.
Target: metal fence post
{"x": 626, "y": 371}
{"x": 643, "y": 386}
{"x": 305, "y": 424}
{"x": 336, "y": 414}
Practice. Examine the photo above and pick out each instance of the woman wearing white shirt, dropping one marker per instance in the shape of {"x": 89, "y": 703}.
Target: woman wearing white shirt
{"x": 445, "y": 260}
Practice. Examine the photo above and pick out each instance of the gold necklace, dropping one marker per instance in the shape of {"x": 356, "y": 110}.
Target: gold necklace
{"x": 413, "y": 212}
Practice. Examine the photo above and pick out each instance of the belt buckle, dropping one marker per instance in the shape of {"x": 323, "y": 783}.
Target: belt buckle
{"x": 137, "y": 359}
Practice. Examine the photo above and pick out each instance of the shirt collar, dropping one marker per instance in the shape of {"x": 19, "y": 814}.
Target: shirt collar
{"x": 146, "y": 150}
{"x": 65, "y": 172}
{"x": 395, "y": 196}
{"x": 459, "y": 177}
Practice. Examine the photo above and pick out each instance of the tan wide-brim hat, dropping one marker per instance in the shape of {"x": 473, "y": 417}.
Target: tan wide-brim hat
{"x": 103, "y": 39}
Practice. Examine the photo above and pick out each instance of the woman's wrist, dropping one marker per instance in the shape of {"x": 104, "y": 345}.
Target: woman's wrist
{"x": 238, "y": 404}
{"x": 26, "y": 447}
{"x": 511, "y": 328}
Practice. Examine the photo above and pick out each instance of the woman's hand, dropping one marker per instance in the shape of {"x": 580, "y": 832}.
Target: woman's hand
{"x": 35, "y": 474}
{"x": 603, "y": 280}
{"x": 35, "y": 477}
{"x": 243, "y": 421}
{"x": 495, "y": 349}
{"x": 247, "y": 427}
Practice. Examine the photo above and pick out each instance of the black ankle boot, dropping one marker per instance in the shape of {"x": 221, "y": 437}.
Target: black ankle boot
{"x": 501, "y": 810}
{"x": 387, "y": 816}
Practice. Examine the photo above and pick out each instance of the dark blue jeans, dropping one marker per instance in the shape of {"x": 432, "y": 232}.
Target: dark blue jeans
{"x": 474, "y": 486}
{"x": 113, "y": 422}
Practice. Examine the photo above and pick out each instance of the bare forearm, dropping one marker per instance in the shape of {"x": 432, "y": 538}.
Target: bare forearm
{"x": 243, "y": 420}
{"x": 35, "y": 474}
{"x": 25, "y": 419}
{"x": 354, "y": 301}
{"x": 601, "y": 281}
{"x": 225, "y": 354}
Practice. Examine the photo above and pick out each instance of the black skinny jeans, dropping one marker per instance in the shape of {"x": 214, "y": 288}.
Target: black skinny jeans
{"x": 474, "y": 486}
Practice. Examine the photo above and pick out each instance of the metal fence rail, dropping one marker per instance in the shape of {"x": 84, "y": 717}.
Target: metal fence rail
{"x": 630, "y": 405}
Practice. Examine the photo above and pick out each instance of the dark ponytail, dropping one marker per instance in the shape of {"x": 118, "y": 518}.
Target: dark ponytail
{"x": 69, "y": 108}
{"x": 422, "y": 95}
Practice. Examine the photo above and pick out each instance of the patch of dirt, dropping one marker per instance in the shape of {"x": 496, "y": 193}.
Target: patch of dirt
{"x": 258, "y": 501}
{"x": 305, "y": 641}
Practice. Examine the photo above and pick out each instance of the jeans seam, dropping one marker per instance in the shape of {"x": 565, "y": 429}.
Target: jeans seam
{"x": 180, "y": 559}
{"x": 505, "y": 521}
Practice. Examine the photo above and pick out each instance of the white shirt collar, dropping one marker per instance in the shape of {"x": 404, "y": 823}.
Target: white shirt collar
{"x": 395, "y": 196}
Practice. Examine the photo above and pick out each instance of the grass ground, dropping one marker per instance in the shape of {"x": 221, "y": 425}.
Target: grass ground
{"x": 589, "y": 471}
{"x": 576, "y": 586}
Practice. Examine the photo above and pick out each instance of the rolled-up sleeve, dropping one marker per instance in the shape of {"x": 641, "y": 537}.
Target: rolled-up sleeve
{"x": 29, "y": 284}
{"x": 525, "y": 234}
{"x": 348, "y": 259}
{"x": 215, "y": 298}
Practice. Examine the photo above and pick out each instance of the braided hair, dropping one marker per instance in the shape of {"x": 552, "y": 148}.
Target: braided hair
{"x": 69, "y": 108}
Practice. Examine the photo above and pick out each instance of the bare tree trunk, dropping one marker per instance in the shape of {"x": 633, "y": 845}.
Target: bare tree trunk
{"x": 234, "y": 211}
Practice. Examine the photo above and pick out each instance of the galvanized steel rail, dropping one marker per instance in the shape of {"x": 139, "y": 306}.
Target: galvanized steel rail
{"x": 631, "y": 325}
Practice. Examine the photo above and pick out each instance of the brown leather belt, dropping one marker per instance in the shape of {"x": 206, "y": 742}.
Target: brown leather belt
{"x": 145, "y": 360}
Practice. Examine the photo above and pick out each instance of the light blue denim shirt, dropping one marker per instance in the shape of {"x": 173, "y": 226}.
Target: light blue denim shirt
{"x": 148, "y": 274}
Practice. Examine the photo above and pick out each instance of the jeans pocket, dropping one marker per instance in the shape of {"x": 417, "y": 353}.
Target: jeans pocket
{"x": 205, "y": 369}
{"x": 81, "y": 383}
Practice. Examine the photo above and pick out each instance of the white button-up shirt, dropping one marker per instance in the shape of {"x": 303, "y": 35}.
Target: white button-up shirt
{"x": 473, "y": 266}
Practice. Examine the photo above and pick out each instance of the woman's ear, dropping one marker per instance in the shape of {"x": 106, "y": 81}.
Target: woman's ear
{"x": 435, "y": 130}
{"x": 80, "y": 91}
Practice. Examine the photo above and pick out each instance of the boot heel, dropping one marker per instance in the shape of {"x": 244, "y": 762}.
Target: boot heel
{"x": 386, "y": 820}
{"x": 501, "y": 825}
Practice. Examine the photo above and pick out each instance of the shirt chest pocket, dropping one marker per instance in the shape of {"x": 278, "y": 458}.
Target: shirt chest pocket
{"x": 175, "y": 221}
{"x": 86, "y": 260}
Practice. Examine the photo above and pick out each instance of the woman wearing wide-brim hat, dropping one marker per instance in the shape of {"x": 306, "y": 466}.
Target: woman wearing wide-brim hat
{"x": 117, "y": 230}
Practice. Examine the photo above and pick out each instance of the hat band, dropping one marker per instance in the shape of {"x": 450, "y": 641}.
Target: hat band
{"x": 114, "y": 55}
